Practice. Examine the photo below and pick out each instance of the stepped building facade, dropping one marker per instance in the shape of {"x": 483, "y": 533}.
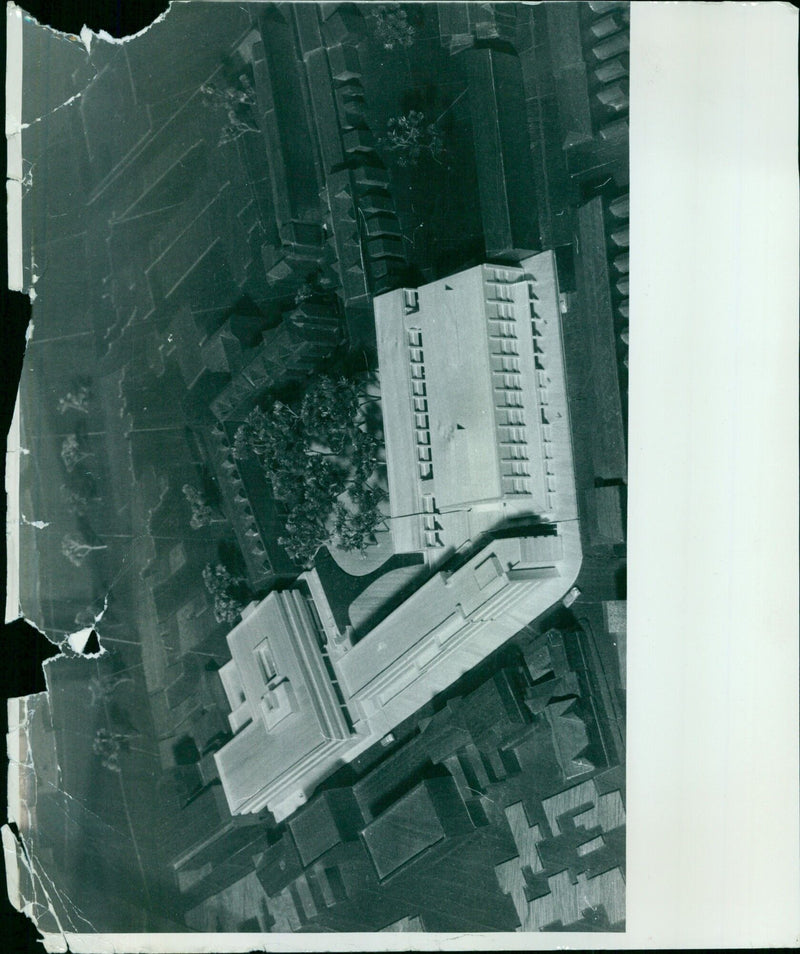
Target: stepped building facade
{"x": 480, "y": 475}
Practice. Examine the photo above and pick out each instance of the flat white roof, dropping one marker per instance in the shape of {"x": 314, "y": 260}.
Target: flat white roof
{"x": 474, "y": 403}
{"x": 257, "y": 758}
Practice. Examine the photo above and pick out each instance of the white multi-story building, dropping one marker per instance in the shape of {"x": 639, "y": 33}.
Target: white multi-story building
{"x": 474, "y": 405}
{"x": 480, "y": 474}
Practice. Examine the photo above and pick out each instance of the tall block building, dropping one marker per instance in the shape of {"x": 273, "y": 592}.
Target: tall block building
{"x": 480, "y": 474}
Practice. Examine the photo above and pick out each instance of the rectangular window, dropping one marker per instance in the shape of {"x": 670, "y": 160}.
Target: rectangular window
{"x": 266, "y": 661}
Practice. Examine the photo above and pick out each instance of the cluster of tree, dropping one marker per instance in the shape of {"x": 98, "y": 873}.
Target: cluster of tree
{"x": 312, "y": 455}
{"x": 392, "y": 26}
{"x": 410, "y": 138}
{"x": 109, "y": 745}
{"x": 75, "y": 400}
{"x": 72, "y": 453}
{"x": 237, "y": 103}
{"x": 203, "y": 514}
{"x": 228, "y": 590}
{"x": 315, "y": 286}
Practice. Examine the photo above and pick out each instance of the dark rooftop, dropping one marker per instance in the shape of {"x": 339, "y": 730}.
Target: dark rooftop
{"x": 328, "y": 820}
{"x": 419, "y": 820}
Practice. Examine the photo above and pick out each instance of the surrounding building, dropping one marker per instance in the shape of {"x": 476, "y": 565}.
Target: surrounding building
{"x": 508, "y": 781}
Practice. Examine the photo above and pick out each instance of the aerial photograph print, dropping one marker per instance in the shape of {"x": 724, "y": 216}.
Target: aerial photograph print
{"x": 317, "y": 471}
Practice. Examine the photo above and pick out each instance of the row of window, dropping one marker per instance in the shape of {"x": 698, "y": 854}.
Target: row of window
{"x": 419, "y": 392}
{"x": 515, "y": 468}
{"x": 502, "y": 346}
{"x": 494, "y": 273}
{"x": 499, "y": 309}
{"x": 502, "y": 329}
{"x": 504, "y": 363}
{"x": 430, "y": 528}
{"x": 497, "y": 291}
{"x": 516, "y": 485}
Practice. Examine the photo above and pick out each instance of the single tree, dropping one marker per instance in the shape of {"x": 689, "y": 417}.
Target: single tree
{"x": 355, "y": 529}
{"x": 75, "y": 400}
{"x": 203, "y": 514}
{"x": 76, "y": 549}
{"x": 364, "y": 457}
{"x": 109, "y": 746}
{"x": 229, "y": 592}
{"x": 237, "y": 103}
{"x": 306, "y": 533}
{"x": 367, "y": 496}
{"x": 316, "y": 285}
{"x": 71, "y": 453}
{"x": 409, "y": 138}
{"x": 392, "y": 26}
{"x": 323, "y": 481}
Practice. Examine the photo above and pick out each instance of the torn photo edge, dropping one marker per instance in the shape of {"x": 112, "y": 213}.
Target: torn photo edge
{"x": 640, "y": 850}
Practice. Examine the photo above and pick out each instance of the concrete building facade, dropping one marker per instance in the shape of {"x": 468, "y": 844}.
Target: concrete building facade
{"x": 479, "y": 466}
{"x": 474, "y": 405}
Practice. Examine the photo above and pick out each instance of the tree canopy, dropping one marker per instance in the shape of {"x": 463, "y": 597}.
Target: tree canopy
{"x": 312, "y": 455}
{"x": 392, "y": 26}
{"x": 203, "y": 514}
{"x": 410, "y": 138}
{"x": 228, "y": 590}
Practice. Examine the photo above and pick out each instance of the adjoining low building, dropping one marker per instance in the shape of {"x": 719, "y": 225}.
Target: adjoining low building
{"x": 479, "y": 462}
